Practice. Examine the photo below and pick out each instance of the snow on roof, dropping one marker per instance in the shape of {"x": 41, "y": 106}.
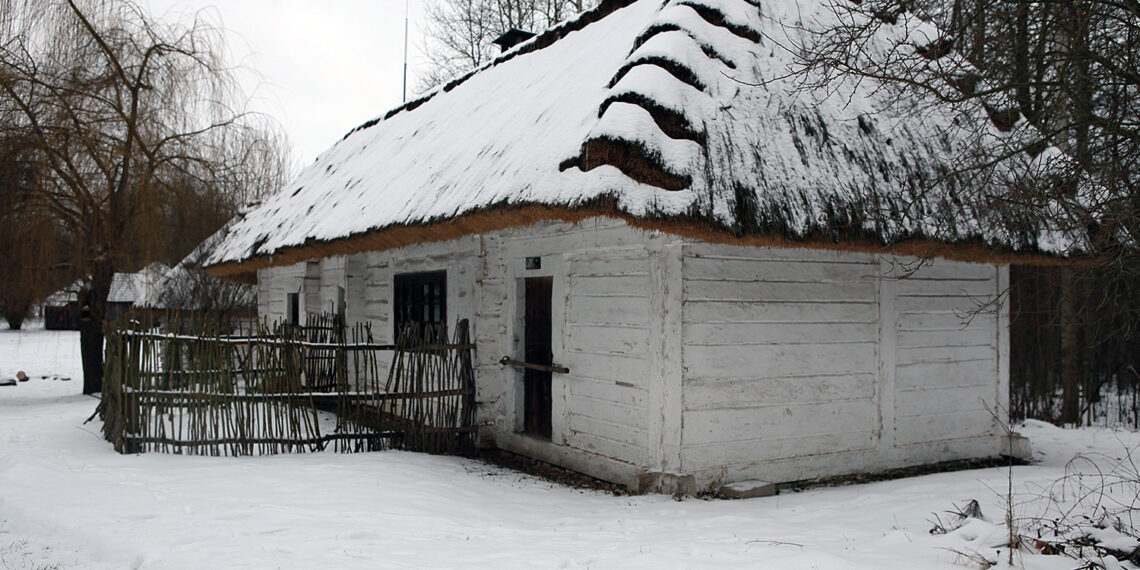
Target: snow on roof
{"x": 142, "y": 289}
{"x": 667, "y": 111}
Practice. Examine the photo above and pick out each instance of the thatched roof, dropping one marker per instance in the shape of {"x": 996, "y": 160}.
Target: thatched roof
{"x": 677, "y": 115}
{"x": 141, "y": 290}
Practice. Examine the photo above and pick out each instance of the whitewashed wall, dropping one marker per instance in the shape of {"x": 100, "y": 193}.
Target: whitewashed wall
{"x": 804, "y": 363}
{"x": 273, "y": 285}
{"x": 314, "y": 281}
{"x": 606, "y": 411}
{"x": 693, "y": 364}
{"x": 780, "y": 357}
{"x": 367, "y": 282}
{"x": 946, "y": 358}
{"x": 605, "y": 300}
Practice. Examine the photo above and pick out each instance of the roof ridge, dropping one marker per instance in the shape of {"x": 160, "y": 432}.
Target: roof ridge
{"x": 540, "y": 41}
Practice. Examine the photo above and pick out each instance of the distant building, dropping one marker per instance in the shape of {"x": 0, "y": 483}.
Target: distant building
{"x": 138, "y": 291}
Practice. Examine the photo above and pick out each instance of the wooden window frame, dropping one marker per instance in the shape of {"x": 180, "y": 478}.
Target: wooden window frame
{"x": 419, "y": 297}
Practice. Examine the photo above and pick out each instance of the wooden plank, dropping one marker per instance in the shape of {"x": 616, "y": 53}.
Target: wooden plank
{"x": 778, "y": 360}
{"x": 945, "y": 269}
{"x": 770, "y": 449}
{"x": 942, "y": 399}
{"x": 666, "y": 352}
{"x": 609, "y": 285}
{"x": 908, "y": 356}
{"x": 630, "y": 369}
{"x": 932, "y": 374}
{"x": 617, "y": 266}
{"x": 788, "y": 333}
{"x": 887, "y": 351}
{"x": 631, "y": 435}
{"x": 633, "y": 417}
{"x": 615, "y": 449}
{"x": 945, "y": 338}
{"x": 943, "y": 321}
{"x": 777, "y": 422}
{"x": 959, "y": 305}
{"x": 1001, "y": 390}
{"x": 719, "y": 290}
{"x": 377, "y": 310}
{"x": 777, "y": 271}
{"x": 800, "y": 254}
{"x": 709, "y": 394}
{"x": 633, "y": 311}
{"x": 943, "y": 426}
{"x": 758, "y": 312}
{"x": 617, "y": 391}
{"x": 556, "y": 240}
{"x": 945, "y": 287}
{"x": 608, "y": 261}
{"x": 600, "y": 339}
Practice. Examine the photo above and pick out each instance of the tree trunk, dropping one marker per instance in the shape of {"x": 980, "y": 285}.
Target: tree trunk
{"x": 91, "y": 350}
{"x": 93, "y": 310}
{"x": 15, "y": 317}
{"x": 1070, "y": 347}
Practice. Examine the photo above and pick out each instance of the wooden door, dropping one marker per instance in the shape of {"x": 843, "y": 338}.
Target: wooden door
{"x": 537, "y": 349}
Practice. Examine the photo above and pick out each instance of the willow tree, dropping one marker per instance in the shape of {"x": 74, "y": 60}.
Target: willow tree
{"x": 31, "y": 242}
{"x": 124, "y": 110}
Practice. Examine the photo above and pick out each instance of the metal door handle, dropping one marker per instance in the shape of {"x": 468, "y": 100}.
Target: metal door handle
{"x": 507, "y": 361}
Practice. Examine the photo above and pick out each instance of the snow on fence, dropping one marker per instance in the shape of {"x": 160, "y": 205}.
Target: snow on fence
{"x": 211, "y": 394}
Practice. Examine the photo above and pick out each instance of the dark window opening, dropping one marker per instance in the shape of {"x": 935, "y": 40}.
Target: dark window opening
{"x": 293, "y": 309}
{"x": 420, "y": 299}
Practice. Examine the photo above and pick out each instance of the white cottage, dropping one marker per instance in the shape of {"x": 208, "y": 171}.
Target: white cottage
{"x": 638, "y": 199}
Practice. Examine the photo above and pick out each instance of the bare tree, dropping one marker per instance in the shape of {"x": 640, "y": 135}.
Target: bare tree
{"x": 130, "y": 116}
{"x": 188, "y": 289}
{"x": 31, "y": 243}
{"x": 1051, "y": 85}
{"x": 1049, "y": 90}
{"x": 458, "y": 33}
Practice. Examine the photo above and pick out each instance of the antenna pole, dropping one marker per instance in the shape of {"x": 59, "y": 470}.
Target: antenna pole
{"x": 405, "y": 96}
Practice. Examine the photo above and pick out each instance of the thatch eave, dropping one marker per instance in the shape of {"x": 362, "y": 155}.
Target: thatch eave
{"x": 503, "y": 217}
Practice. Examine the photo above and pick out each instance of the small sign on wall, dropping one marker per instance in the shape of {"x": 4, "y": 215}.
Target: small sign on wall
{"x": 534, "y": 262}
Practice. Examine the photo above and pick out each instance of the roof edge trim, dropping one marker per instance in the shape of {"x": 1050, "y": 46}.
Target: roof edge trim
{"x": 502, "y": 217}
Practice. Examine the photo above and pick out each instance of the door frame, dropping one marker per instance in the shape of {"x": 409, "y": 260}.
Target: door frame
{"x": 538, "y": 410}
{"x": 517, "y": 273}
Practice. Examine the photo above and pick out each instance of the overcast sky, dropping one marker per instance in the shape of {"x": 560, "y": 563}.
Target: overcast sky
{"x": 325, "y": 66}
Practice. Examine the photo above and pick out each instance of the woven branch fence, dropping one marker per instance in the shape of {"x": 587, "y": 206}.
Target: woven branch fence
{"x": 278, "y": 391}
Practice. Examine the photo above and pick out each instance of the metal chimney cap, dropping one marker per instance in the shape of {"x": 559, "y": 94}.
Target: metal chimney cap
{"x": 511, "y": 38}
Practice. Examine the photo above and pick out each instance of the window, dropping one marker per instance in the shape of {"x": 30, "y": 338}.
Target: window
{"x": 292, "y": 309}
{"x": 420, "y": 298}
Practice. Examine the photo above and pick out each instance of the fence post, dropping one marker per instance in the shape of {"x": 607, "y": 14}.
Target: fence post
{"x": 111, "y": 404}
{"x": 129, "y": 386}
{"x": 467, "y": 376}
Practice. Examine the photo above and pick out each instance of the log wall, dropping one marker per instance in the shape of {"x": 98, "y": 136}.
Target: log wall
{"x": 804, "y": 363}
{"x": 693, "y": 364}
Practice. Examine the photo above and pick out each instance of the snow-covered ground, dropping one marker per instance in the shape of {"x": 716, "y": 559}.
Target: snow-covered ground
{"x": 67, "y": 500}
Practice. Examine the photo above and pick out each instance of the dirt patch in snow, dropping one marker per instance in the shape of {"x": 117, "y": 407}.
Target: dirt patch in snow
{"x": 575, "y": 480}
{"x": 546, "y": 471}
{"x": 901, "y": 473}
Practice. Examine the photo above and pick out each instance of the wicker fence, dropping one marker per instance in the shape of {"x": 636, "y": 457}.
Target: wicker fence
{"x": 264, "y": 393}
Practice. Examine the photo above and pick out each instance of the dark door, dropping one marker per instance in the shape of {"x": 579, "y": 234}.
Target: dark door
{"x": 537, "y": 350}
